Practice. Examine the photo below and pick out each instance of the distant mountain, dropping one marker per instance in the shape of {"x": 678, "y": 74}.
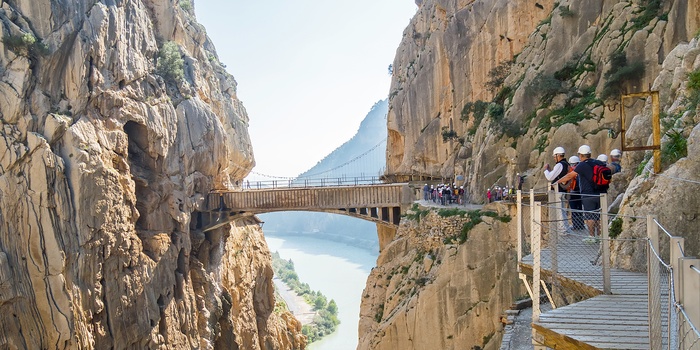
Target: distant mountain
{"x": 364, "y": 155}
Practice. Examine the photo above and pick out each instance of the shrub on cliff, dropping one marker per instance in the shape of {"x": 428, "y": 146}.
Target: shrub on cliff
{"x": 170, "y": 64}
{"x": 25, "y": 45}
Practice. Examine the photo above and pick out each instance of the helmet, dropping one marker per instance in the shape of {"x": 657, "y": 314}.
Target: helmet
{"x": 574, "y": 160}
{"x": 584, "y": 149}
{"x": 602, "y": 158}
{"x": 558, "y": 150}
{"x": 616, "y": 153}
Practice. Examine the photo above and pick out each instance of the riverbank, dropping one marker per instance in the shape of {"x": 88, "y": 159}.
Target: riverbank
{"x": 296, "y": 304}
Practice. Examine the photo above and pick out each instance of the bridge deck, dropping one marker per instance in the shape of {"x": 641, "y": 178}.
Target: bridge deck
{"x": 617, "y": 321}
{"x": 379, "y": 203}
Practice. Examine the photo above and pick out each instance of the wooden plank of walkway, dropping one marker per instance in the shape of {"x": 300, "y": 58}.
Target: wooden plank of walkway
{"x": 602, "y": 322}
{"x": 617, "y": 321}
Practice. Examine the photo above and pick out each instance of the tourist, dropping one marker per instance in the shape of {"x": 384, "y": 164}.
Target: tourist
{"x": 488, "y": 195}
{"x": 520, "y": 179}
{"x": 590, "y": 199}
{"x": 426, "y": 190}
{"x": 561, "y": 169}
{"x": 575, "y": 197}
{"x": 615, "y": 165}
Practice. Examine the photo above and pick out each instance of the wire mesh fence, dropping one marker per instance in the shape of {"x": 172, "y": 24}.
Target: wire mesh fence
{"x": 688, "y": 334}
{"x": 570, "y": 263}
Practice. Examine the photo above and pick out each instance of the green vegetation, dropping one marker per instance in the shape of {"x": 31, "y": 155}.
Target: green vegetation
{"x": 564, "y": 11}
{"x": 448, "y": 134}
{"x": 615, "y": 228}
{"x": 675, "y": 148}
{"x": 643, "y": 163}
{"x": 25, "y": 45}
{"x": 574, "y": 110}
{"x": 380, "y": 313}
{"x": 186, "y": 5}
{"x": 478, "y": 110}
{"x": 620, "y": 72}
{"x": 542, "y": 143}
{"x": 415, "y": 213}
{"x": 170, "y": 64}
{"x": 547, "y": 87}
{"x": 445, "y": 212}
{"x": 498, "y": 75}
{"x": 693, "y": 90}
{"x": 326, "y": 320}
{"x": 475, "y": 218}
{"x": 649, "y": 9}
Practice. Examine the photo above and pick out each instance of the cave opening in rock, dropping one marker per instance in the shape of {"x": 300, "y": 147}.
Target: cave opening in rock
{"x": 143, "y": 169}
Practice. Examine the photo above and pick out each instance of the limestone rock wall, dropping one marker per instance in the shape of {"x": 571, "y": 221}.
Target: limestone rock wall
{"x": 103, "y": 161}
{"x": 429, "y": 294}
{"x": 546, "y": 74}
{"x": 541, "y": 72}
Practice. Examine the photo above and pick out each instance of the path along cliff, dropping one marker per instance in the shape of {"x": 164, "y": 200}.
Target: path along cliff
{"x": 116, "y": 120}
{"x": 487, "y": 89}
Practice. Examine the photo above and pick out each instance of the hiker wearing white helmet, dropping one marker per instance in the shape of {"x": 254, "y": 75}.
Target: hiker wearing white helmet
{"x": 575, "y": 197}
{"x": 615, "y": 165}
{"x": 603, "y": 158}
{"x": 590, "y": 199}
{"x": 426, "y": 192}
{"x": 560, "y": 169}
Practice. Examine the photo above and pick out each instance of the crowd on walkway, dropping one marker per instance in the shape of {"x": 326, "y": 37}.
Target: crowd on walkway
{"x": 581, "y": 179}
{"x": 444, "y": 194}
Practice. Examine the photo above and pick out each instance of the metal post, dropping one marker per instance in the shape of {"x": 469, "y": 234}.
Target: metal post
{"x": 553, "y": 235}
{"x": 519, "y": 229}
{"x": 677, "y": 246}
{"x": 606, "y": 242}
{"x": 654, "y": 307}
{"x": 536, "y": 263}
{"x": 690, "y": 298}
{"x": 656, "y": 130}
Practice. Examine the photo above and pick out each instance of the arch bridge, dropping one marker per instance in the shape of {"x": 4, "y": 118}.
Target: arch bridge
{"x": 382, "y": 204}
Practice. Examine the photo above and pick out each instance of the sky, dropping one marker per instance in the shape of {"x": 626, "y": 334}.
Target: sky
{"x": 308, "y": 71}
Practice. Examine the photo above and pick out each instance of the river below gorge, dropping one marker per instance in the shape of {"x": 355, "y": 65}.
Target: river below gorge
{"x": 338, "y": 270}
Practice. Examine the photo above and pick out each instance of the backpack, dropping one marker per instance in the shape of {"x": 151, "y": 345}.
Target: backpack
{"x": 572, "y": 183}
{"x": 601, "y": 176}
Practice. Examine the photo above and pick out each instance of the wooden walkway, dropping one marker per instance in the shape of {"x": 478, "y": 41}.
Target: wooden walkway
{"x": 616, "y": 321}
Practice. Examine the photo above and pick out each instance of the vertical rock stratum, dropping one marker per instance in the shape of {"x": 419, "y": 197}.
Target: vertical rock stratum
{"x": 116, "y": 120}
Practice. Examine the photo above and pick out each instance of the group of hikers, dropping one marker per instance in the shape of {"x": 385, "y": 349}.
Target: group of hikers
{"x": 444, "y": 194}
{"x": 500, "y": 193}
{"x": 581, "y": 179}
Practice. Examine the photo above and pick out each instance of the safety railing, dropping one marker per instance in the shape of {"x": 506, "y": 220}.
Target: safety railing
{"x": 569, "y": 265}
{"x": 318, "y": 182}
{"x": 674, "y": 285}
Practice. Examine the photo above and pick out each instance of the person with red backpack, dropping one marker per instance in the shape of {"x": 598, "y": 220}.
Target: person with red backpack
{"x": 591, "y": 181}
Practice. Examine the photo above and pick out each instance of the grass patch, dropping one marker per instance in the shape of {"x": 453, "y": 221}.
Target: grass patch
{"x": 475, "y": 218}
{"x": 542, "y": 143}
{"x": 416, "y": 213}
{"x": 448, "y": 134}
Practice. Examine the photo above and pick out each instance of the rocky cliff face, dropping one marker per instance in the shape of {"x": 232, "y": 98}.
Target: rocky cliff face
{"x": 117, "y": 120}
{"x": 487, "y": 89}
{"x": 435, "y": 287}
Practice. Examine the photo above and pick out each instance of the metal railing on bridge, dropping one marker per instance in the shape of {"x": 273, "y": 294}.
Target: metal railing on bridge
{"x": 315, "y": 182}
{"x": 568, "y": 266}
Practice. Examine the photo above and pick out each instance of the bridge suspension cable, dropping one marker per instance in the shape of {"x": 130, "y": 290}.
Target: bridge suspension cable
{"x": 362, "y": 155}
